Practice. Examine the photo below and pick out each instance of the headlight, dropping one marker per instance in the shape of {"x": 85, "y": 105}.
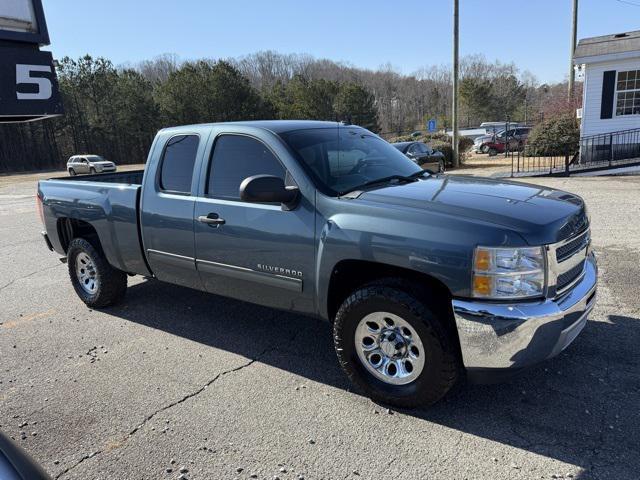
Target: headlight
{"x": 508, "y": 273}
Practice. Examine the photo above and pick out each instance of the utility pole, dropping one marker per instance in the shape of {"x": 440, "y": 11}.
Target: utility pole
{"x": 454, "y": 106}
{"x": 574, "y": 37}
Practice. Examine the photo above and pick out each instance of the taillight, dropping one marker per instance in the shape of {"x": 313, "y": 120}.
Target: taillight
{"x": 39, "y": 207}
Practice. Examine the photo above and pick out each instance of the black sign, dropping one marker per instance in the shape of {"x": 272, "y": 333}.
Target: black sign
{"x": 28, "y": 85}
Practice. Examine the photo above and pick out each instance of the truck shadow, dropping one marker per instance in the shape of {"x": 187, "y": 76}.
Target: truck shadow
{"x": 580, "y": 408}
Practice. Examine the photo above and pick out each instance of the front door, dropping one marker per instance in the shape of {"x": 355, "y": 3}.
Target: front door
{"x": 256, "y": 252}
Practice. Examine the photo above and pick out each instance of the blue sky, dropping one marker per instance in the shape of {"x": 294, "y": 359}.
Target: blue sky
{"x": 409, "y": 34}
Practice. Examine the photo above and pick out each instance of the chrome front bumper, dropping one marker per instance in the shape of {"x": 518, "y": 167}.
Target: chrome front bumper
{"x": 499, "y": 338}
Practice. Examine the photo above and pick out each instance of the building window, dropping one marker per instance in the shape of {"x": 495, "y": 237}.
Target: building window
{"x": 628, "y": 88}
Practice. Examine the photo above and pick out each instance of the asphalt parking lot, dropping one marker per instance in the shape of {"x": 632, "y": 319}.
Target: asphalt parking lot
{"x": 177, "y": 379}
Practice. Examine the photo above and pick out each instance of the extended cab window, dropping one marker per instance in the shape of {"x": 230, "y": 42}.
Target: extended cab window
{"x": 178, "y": 160}
{"x": 236, "y": 157}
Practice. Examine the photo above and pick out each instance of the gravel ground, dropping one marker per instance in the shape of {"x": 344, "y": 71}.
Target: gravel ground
{"x": 177, "y": 382}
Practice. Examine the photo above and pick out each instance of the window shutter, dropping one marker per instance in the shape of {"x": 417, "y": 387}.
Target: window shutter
{"x": 608, "y": 92}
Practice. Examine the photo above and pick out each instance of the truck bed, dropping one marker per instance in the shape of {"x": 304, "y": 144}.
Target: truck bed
{"x": 107, "y": 202}
{"x": 132, "y": 177}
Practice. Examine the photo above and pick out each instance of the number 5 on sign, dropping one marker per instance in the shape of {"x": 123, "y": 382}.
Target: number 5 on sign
{"x": 23, "y": 76}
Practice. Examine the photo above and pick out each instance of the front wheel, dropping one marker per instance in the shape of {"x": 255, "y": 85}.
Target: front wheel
{"x": 392, "y": 345}
{"x": 484, "y": 149}
{"x": 95, "y": 281}
{"x": 92, "y": 171}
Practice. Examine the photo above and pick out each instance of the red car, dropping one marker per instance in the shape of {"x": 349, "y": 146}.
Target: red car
{"x": 517, "y": 138}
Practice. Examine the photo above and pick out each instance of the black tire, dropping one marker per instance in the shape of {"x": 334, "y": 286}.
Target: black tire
{"x": 92, "y": 171}
{"x": 111, "y": 282}
{"x": 492, "y": 152}
{"x": 441, "y": 166}
{"x": 440, "y": 371}
{"x": 484, "y": 149}
{"x": 72, "y": 172}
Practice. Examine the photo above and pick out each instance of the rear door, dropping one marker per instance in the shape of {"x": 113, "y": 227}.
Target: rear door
{"x": 257, "y": 252}
{"x": 168, "y": 200}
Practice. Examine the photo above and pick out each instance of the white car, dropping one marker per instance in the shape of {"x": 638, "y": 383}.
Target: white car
{"x": 89, "y": 164}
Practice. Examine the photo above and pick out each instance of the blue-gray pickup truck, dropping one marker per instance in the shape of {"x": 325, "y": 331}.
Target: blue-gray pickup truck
{"x": 426, "y": 278}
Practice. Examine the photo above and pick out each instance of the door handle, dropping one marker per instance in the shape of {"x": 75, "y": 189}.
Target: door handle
{"x": 211, "y": 219}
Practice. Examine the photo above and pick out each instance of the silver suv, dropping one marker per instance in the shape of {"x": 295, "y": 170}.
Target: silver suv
{"x": 89, "y": 164}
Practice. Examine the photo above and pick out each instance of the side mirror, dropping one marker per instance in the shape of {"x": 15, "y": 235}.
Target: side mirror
{"x": 268, "y": 189}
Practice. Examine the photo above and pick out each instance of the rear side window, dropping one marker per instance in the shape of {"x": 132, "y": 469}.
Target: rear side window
{"x": 236, "y": 157}
{"x": 178, "y": 160}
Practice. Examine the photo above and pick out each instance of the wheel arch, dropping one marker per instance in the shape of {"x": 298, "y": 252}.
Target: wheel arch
{"x": 348, "y": 275}
{"x": 70, "y": 228}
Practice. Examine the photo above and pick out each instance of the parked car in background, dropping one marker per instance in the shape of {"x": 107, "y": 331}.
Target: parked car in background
{"x": 493, "y": 127}
{"x": 516, "y": 138}
{"x": 89, "y": 164}
{"x": 423, "y": 155}
{"x": 481, "y": 143}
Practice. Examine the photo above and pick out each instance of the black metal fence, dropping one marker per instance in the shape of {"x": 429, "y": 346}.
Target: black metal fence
{"x": 592, "y": 152}
{"x": 610, "y": 148}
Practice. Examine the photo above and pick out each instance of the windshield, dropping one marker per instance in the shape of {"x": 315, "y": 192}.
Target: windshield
{"x": 342, "y": 159}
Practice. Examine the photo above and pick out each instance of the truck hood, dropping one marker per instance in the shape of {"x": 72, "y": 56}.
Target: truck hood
{"x": 541, "y": 215}
{"x": 104, "y": 163}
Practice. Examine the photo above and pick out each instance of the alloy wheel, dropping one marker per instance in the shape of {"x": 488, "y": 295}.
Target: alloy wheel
{"x": 86, "y": 273}
{"x": 389, "y": 348}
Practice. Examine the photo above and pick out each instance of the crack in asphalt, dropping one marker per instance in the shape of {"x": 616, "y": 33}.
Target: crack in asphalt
{"x": 171, "y": 405}
{"x": 68, "y": 469}
{"x": 199, "y": 391}
{"x": 29, "y": 275}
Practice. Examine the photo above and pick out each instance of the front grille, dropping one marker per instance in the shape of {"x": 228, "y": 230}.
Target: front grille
{"x": 565, "y": 279}
{"x": 577, "y": 224}
{"x": 569, "y": 249}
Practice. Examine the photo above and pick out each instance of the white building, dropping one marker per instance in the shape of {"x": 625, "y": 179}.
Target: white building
{"x": 611, "y": 98}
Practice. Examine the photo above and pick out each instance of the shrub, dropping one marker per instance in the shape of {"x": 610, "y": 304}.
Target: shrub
{"x": 402, "y": 138}
{"x": 443, "y": 143}
{"x": 559, "y": 135}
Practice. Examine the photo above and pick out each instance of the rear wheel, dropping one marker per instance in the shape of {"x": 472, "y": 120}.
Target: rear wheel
{"x": 441, "y": 166}
{"x": 95, "y": 281}
{"x": 392, "y": 345}
{"x": 72, "y": 172}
